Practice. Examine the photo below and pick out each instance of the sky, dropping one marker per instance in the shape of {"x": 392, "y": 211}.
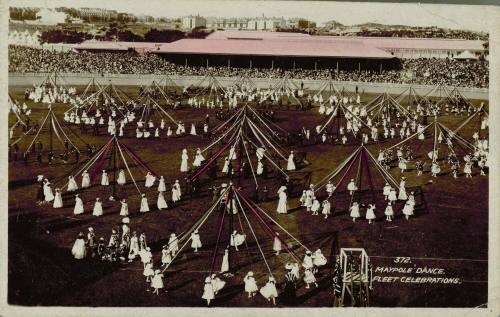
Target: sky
{"x": 469, "y": 17}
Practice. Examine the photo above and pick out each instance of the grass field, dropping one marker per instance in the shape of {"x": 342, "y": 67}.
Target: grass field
{"x": 449, "y": 231}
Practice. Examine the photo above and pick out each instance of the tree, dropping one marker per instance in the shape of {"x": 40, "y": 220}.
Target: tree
{"x": 163, "y": 36}
{"x": 60, "y": 36}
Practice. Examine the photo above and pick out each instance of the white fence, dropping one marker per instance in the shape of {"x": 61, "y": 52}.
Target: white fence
{"x": 30, "y": 79}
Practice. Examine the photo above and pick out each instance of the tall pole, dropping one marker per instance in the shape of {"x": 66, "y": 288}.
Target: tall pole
{"x": 50, "y": 129}
{"x": 114, "y": 170}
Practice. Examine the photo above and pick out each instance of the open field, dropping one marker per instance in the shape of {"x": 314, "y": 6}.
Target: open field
{"x": 449, "y": 231}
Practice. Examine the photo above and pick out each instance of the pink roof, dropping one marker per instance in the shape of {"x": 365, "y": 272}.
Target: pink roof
{"x": 272, "y": 48}
{"x": 379, "y": 42}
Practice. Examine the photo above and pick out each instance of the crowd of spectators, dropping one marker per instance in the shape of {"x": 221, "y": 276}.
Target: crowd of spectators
{"x": 424, "y": 33}
{"x": 462, "y": 73}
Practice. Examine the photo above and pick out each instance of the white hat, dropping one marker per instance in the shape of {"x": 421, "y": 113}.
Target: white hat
{"x": 250, "y": 273}
{"x": 126, "y": 220}
{"x": 208, "y": 280}
{"x": 157, "y": 272}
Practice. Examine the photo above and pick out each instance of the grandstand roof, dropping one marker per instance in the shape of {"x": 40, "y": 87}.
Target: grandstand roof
{"x": 260, "y": 43}
{"x": 292, "y": 48}
{"x": 378, "y": 42}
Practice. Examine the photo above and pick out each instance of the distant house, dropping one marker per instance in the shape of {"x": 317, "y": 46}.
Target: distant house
{"x": 192, "y": 22}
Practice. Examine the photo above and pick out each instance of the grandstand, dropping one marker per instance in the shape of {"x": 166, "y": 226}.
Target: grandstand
{"x": 296, "y": 50}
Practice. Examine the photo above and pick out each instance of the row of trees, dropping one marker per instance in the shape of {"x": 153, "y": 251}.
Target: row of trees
{"x": 117, "y": 33}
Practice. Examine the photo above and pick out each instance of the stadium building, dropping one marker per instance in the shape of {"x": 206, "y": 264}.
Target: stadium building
{"x": 297, "y": 50}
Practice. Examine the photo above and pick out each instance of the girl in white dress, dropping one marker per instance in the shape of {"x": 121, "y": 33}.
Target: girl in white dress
{"x": 370, "y": 213}
{"x": 78, "y": 210}
{"x": 78, "y": 250}
{"x": 282, "y": 203}
{"x": 47, "y": 192}
{"x": 225, "y": 262}
{"x": 408, "y": 210}
{"x": 330, "y": 188}
{"x": 97, "y": 208}
{"x": 237, "y": 239}
{"x": 166, "y": 257}
{"x": 195, "y": 240}
{"x": 392, "y": 196}
{"x": 148, "y": 271}
{"x": 104, "y": 178}
{"x": 198, "y": 159}
{"x": 303, "y": 198}
{"x": 260, "y": 168}
{"x": 309, "y": 277}
{"x": 85, "y": 179}
{"x": 208, "y": 290}
{"x": 326, "y": 208}
{"x": 389, "y": 212}
{"x": 173, "y": 244}
{"x": 435, "y": 169}
{"x": 124, "y": 208}
{"x": 315, "y": 206}
{"x": 161, "y": 185}
{"x": 269, "y": 290}
{"x": 184, "y": 161}
{"x": 277, "y": 244}
{"x": 318, "y": 258}
{"x": 72, "y": 186}
{"x": 144, "y": 204}
{"x": 176, "y": 191}
{"x": 150, "y": 180}
{"x": 157, "y": 282}
{"x": 121, "y": 178}
{"x": 386, "y": 191}
{"x": 290, "y": 164}
{"x": 161, "y": 203}
{"x": 250, "y": 284}
{"x": 217, "y": 283}
{"x": 354, "y": 211}
{"x": 351, "y": 187}
{"x": 225, "y": 168}
{"x": 468, "y": 170}
{"x": 58, "y": 203}
{"x": 134, "y": 247}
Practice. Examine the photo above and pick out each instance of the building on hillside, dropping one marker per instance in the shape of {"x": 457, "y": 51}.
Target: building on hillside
{"x": 97, "y": 14}
{"x": 229, "y": 24}
{"x": 266, "y": 24}
{"x": 192, "y": 22}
